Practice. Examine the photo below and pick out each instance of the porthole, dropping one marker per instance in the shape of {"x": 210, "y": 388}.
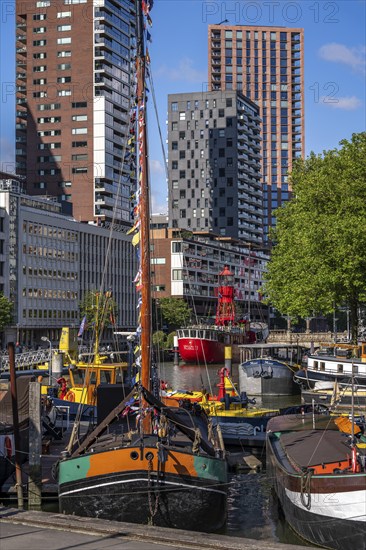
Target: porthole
{"x": 134, "y": 455}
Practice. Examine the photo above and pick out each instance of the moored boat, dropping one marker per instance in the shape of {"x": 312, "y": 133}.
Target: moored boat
{"x": 318, "y": 473}
{"x": 166, "y": 469}
{"x": 268, "y": 369}
{"x": 335, "y": 364}
{"x": 204, "y": 343}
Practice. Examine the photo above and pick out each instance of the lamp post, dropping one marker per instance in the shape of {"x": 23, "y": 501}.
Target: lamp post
{"x": 45, "y": 339}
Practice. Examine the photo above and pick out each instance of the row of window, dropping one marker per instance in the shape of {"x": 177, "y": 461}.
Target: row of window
{"x": 46, "y": 252}
{"x": 216, "y": 34}
{"x": 49, "y": 293}
{"x": 49, "y": 314}
{"x": 50, "y": 273}
{"x": 56, "y": 106}
{"x": 52, "y": 120}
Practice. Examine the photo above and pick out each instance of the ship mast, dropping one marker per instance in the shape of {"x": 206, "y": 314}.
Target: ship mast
{"x": 144, "y": 202}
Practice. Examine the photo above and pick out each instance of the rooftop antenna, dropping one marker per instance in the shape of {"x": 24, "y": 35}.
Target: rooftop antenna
{"x": 224, "y": 21}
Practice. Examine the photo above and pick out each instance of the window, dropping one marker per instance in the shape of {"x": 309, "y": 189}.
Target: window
{"x": 39, "y": 42}
{"x": 80, "y": 117}
{"x": 64, "y": 66}
{"x": 39, "y": 94}
{"x": 64, "y": 40}
{"x": 182, "y": 115}
{"x": 40, "y": 69}
{"x": 176, "y": 246}
{"x": 39, "y": 30}
{"x": 43, "y": 4}
{"x": 39, "y": 17}
{"x": 64, "y": 93}
{"x": 46, "y": 120}
{"x": 62, "y": 14}
{"x": 79, "y": 131}
{"x": 221, "y": 113}
{"x": 39, "y": 81}
{"x": 174, "y": 126}
{"x": 63, "y": 79}
{"x": 79, "y": 104}
{"x": 81, "y": 170}
{"x": 64, "y": 54}
{"x": 174, "y": 106}
{"x": 40, "y": 55}
{"x": 177, "y": 274}
{"x": 174, "y": 146}
{"x": 49, "y": 106}
{"x": 79, "y": 144}
{"x": 63, "y": 28}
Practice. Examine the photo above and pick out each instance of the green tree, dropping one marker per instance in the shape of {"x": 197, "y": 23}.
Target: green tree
{"x": 6, "y": 312}
{"x": 319, "y": 258}
{"x": 99, "y": 309}
{"x": 175, "y": 311}
{"x": 158, "y": 339}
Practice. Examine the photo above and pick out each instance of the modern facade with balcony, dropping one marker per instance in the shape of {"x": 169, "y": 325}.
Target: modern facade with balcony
{"x": 266, "y": 64}
{"x": 74, "y": 89}
{"x": 48, "y": 261}
{"x": 215, "y": 181}
{"x": 188, "y": 266}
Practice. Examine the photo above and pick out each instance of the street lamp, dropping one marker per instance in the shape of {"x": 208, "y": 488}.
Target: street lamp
{"x": 45, "y": 339}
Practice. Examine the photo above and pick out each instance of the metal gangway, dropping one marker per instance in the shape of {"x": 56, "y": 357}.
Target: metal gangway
{"x": 27, "y": 360}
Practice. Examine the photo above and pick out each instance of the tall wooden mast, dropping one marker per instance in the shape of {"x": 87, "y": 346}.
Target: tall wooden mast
{"x": 144, "y": 202}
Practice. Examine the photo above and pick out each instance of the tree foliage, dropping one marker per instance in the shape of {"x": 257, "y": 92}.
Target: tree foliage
{"x": 6, "y": 312}
{"x": 319, "y": 258}
{"x": 99, "y": 309}
{"x": 175, "y": 311}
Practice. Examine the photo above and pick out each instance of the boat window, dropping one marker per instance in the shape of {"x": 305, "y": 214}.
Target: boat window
{"x": 93, "y": 377}
{"x": 105, "y": 376}
{"x": 339, "y": 367}
{"x": 322, "y": 365}
{"x": 78, "y": 376}
{"x": 355, "y": 369}
{"x": 315, "y": 367}
{"x": 119, "y": 376}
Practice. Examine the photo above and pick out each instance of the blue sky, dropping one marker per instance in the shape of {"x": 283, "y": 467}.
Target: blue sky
{"x": 334, "y": 65}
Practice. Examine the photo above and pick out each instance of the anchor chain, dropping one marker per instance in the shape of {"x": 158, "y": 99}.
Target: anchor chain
{"x": 152, "y": 510}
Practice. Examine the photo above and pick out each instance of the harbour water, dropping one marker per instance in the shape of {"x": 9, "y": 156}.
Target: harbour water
{"x": 254, "y": 511}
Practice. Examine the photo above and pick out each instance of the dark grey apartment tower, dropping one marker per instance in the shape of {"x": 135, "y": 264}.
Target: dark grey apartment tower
{"x": 266, "y": 64}
{"x": 215, "y": 181}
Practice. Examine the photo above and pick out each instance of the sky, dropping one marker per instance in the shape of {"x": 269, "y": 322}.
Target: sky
{"x": 335, "y": 69}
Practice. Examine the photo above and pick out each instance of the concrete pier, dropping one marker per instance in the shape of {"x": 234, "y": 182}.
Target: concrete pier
{"x": 33, "y": 530}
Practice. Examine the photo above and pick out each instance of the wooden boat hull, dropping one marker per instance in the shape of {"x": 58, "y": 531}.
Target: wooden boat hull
{"x": 120, "y": 485}
{"x": 326, "y": 510}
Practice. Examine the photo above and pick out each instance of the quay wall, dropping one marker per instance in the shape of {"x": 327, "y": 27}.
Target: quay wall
{"x": 112, "y": 531}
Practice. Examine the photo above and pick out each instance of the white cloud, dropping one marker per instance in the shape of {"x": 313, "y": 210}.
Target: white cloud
{"x": 156, "y": 167}
{"x": 350, "y": 103}
{"x": 184, "y": 72}
{"x": 339, "y": 53}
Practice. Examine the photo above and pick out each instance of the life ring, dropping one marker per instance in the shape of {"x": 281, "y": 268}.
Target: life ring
{"x": 8, "y": 447}
{"x": 70, "y": 396}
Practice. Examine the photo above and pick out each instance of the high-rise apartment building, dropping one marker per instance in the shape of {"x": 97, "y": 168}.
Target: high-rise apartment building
{"x": 266, "y": 64}
{"x": 215, "y": 182}
{"x": 73, "y": 82}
